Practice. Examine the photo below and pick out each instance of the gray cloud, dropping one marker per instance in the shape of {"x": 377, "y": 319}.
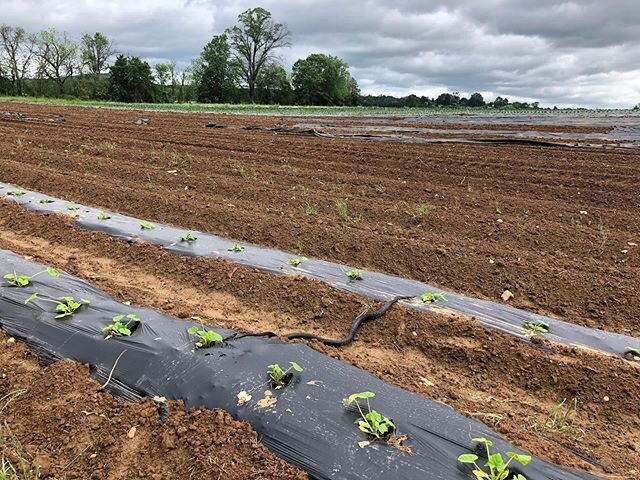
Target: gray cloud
{"x": 578, "y": 53}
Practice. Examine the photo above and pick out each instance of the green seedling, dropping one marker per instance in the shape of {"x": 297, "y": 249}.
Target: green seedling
{"x": 355, "y": 274}
{"x": 236, "y": 248}
{"x": 534, "y": 328}
{"x": 205, "y": 338}
{"x": 561, "y": 420}
{"x": 103, "y": 216}
{"x": 24, "y": 280}
{"x": 16, "y": 193}
{"x": 119, "y": 328}
{"x": 297, "y": 261}
{"x": 432, "y": 297}
{"x": 635, "y": 353}
{"x": 144, "y": 225}
{"x": 187, "y": 237}
{"x": 343, "y": 210}
{"x": 45, "y": 200}
{"x": 311, "y": 210}
{"x": 72, "y": 206}
{"x": 278, "y": 376}
{"x": 498, "y": 469}
{"x": 422, "y": 209}
{"x": 67, "y": 306}
{"x": 372, "y": 423}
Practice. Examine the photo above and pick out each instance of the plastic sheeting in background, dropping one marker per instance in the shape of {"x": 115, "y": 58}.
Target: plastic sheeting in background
{"x": 308, "y": 426}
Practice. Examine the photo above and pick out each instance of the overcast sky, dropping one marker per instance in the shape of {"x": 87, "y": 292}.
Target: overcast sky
{"x": 565, "y": 53}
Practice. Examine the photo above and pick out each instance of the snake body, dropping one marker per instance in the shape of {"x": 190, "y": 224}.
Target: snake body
{"x": 340, "y": 342}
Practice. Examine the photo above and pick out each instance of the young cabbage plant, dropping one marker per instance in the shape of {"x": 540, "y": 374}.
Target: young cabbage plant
{"x": 16, "y": 193}
{"x": 72, "y": 206}
{"x": 144, "y": 225}
{"x": 119, "y": 327}
{"x": 278, "y": 376}
{"x": 45, "y": 200}
{"x": 534, "y": 328}
{"x": 204, "y": 338}
{"x": 432, "y": 297}
{"x": 498, "y": 469}
{"x": 355, "y": 274}
{"x": 24, "y": 280}
{"x": 372, "y": 423}
{"x": 103, "y": 216}
{"x": 187, "y": 237}
{"x": 236, "y": 248}
{"x": 67, "y": 306}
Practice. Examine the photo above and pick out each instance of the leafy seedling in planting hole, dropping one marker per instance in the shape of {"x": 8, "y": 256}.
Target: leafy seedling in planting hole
{"x": 103, "y": 216}
{"x": 45, "y": 200}
{"x": 144, "y": 225}
{"x": 236, "y": 248}
{"x": 297, "y": 261}
{"x": 72, "y": 206}
{"x": 432, "y": 297}
{"x": 67, "y": 306}
{"x": 205, "y": 338}
{"x": 24, "y": 280}
{"x": 634, "y": 352}
{"x": 534, "y": 328}
{"x": 355, "y": 274}
{"x": 16, "y": 193}
{"x": 119, "y": 328}
{"x": 498, "y": 469}
{"x": 187, "y": 237}
{"x": 372, "y": 422}
{"x": 279, "y": 377}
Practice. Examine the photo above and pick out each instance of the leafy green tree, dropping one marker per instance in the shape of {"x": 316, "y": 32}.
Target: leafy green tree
{"x": 476, "y": 100}
{"x": 57, "y": 57}
{"x": 274, "y": 86}
{"x": 162, "y": 77}
{"x": 214, "y": 72}
{"x": 95, "y": 52}
{"x": 253, "y": 43}
{"x": 323, "y": 79}
{"x": 17, "y": 49}
{"x": 131, "y": 80}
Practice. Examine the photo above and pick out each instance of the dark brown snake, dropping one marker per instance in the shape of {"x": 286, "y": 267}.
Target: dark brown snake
{"x": 341, "y": 342}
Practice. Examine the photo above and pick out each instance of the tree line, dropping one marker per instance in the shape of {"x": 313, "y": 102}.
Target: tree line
{"x": 238, "y": 66}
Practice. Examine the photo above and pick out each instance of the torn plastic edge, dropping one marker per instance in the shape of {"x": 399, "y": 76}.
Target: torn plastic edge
{"x": 374, "y": 285}
{"x": 306, "y": 423}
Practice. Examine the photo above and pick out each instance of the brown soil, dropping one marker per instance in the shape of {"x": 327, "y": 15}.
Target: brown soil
{"x": 486, "y": 374}
{"x": 501, "y": 217}
{"x": 57, "y": 421}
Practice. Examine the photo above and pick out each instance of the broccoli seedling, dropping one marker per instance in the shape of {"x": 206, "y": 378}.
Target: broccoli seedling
{"x": 120, "y": 329}
{"x": 16, "y": 193}
{"x": 45, "y": 200}
{"x": 355, "y": 274}
{"x": 498, "y": 469}
{"x": 144, "y": 225}
{"x": 187, "y": 237}
{"x": 103, "y": 216}
{"x": 278, "y": 376}
{"x": 372, "y": 423}
{"x": 72, "y": 206}
{"x": 295, "y": 261}
{"x": 236, "y": 248}
{"x": 204, "y": 338}
{"x": 24, "y": 280}
{"x": 534, "y": 328}
{"x": 432, "y": 297}
{"x": 67, "y": 306}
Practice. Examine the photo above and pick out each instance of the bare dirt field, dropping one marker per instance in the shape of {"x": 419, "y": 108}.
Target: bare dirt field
{"x": 477, "y": 219}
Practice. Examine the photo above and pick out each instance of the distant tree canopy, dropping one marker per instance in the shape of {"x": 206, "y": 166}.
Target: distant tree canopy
{"x": 214, "y": 73}
{"x": 239, "y": 65}
{"x": 323, "y": 79}
{"x": 131, "y": 80}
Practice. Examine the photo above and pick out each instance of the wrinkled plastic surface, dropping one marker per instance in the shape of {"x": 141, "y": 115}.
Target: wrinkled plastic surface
{"x": 308, "y": 426}
{"x": 374, "y": 285}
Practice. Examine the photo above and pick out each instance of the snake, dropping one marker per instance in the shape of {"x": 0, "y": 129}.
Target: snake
{"x": 332, "y": 342}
